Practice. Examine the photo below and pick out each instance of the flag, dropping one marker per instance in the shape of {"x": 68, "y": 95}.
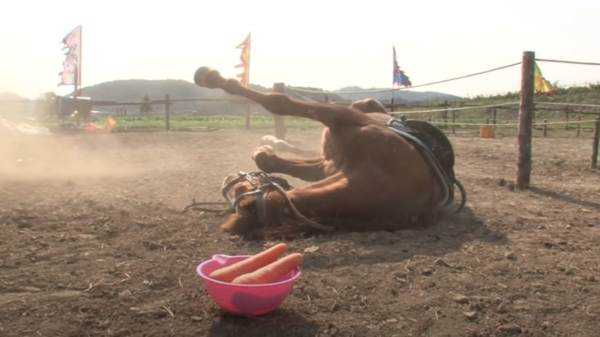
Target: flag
{"x": 245, "y": 58}
{"x": 541, "y": 84}
{"x": 400, "y": 77}
{"x": 72, "y": 43}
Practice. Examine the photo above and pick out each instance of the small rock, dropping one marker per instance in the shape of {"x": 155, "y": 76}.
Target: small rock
{"x": 568, "y": 226}
{"x": 392, "y": 320}
{"x": 427, "y": 271}
{"x": 146, "y": 282}
{"x": 125, "y": 293}
{"x": 442, "y": 263}
{"x": 510, "y": 256}
{"x": 311, "y": 249}
{"x": 470, "y": 314}
{"x": 196, "y": 318}
{"x": 461, "y": 299}
{"x": 311, "y": 291}
{"x": 501, "y": 309}
{"x": 510, "y": 327}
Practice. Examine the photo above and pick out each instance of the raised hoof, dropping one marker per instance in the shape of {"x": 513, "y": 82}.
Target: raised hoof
{"x": 266, "y": 149}
{"x": 205, "y": 77}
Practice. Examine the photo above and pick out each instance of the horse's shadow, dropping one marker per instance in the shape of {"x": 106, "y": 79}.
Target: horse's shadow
{"x": 281, "y": 322}
{"x": 450, "y": 235}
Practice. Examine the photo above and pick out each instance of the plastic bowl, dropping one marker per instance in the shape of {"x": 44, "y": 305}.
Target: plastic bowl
{"x": 245, "y": 299}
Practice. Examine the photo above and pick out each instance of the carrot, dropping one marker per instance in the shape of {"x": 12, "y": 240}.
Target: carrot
{"x": 254, "y": 262}
{"x": 270, "y": 273}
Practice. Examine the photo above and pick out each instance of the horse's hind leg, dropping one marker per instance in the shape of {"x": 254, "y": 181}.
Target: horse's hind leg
{"x": 331, "y": 115}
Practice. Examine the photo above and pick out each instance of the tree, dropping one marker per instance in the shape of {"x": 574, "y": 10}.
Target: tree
{"x": 46, "y": 105}
{"x": 146, "y": 106}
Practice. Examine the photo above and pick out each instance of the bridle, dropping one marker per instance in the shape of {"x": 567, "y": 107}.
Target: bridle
{"x": 262, "y": 184}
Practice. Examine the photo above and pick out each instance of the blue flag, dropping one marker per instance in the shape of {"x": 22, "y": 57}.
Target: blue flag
{"x": 400, "y": 77}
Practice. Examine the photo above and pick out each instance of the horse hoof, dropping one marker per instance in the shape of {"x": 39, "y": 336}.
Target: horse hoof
{"x": 267, "y": 149}
{"x": 203, "y": 75}
{"x": 268, "y": 140}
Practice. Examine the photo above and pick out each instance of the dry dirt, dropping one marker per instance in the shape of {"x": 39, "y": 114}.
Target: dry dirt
{"x": 93, "y": 243}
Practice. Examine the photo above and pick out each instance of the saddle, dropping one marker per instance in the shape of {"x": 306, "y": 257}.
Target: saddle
{"x": 426, "y": 148}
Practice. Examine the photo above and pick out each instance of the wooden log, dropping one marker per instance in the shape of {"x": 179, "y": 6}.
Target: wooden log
{"x": 526, "y": 108}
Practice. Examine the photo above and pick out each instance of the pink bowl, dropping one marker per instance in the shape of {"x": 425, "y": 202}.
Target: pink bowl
{"x": 245, "y": 299}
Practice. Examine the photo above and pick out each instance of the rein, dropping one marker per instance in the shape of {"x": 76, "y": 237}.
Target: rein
{"x": 266, "y": 184}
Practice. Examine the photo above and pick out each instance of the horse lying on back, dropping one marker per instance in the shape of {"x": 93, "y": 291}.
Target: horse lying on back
{"x": 370, "y": 167}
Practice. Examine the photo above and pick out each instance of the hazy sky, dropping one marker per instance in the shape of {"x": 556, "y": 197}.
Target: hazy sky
{"x": 309, "y": 43}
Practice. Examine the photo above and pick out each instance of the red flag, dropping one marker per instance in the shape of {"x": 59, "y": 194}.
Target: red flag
{"x": 245, "y": 58}
{"x": 72, "y": 42}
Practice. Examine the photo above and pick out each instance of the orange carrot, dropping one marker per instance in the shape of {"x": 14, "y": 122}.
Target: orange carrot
{"x": 254, "y": 262}
{"x": 270, "y": 273}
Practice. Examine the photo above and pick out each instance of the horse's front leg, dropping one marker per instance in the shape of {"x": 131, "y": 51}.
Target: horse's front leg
{"x": 307, "y": 170}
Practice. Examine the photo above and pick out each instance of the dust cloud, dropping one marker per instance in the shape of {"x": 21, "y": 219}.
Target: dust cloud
{"x": 30, "y": 157}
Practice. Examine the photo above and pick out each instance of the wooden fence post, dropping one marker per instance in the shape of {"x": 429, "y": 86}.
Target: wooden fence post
{"x": 167, "y": 113}
{"x": 446, "y": 115}
{"x": 579, "y": 120}
{"x": 545, "y": 128}
{"x": 453, "y": 121}
{"x": 494, "y": 116}
{"x": 248, "y": 116}
{"x": 567, "y": 118}
{"x": 392, "y": 105}
{"x": 523, "y": 176}
{"x": 595, "y": 143}
{"x": 280, "y": 130}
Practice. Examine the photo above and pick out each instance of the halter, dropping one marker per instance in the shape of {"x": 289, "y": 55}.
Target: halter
{"x": 266, "y": 185}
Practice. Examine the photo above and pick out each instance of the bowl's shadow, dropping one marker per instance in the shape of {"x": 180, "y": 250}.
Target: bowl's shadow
{"x": 280, "y": 322}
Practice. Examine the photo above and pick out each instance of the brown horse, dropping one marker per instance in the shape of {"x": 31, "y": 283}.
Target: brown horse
{"x": 367, "y": 170}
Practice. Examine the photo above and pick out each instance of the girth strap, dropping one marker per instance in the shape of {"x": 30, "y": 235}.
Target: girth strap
{"x": 400, "y": 128}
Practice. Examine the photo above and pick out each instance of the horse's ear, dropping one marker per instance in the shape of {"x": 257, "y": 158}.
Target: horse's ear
{"x": 240, "y": 224}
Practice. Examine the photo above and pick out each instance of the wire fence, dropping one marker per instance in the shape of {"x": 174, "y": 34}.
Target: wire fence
{"x": 500, "y": 114}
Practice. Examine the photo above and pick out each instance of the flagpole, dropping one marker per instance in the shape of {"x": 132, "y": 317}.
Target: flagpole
{"x": 75, "y": 80}
{"x": 394, "y": 78}
{"x": 80, "y": 57}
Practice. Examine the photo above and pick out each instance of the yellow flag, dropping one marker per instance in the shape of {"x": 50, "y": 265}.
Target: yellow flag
{"x": 541, "y": 84}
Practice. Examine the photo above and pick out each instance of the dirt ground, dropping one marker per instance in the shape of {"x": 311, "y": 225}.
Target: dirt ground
{"x": 93, "y": 243}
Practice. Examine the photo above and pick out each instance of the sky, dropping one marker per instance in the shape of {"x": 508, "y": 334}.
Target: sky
{"x": 322, "y": 44}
